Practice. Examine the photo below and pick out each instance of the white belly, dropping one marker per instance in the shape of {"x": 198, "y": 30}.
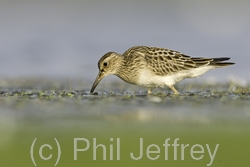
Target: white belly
{"x": 147, "y": 79}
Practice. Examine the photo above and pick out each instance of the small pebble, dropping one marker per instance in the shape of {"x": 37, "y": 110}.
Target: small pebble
{"x": 95, "y": 93}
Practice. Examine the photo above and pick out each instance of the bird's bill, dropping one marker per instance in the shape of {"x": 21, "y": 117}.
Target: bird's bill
{"x": 99, "y": 77}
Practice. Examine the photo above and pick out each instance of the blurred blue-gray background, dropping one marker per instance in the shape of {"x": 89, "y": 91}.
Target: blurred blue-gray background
{"x": 66, "y": 38}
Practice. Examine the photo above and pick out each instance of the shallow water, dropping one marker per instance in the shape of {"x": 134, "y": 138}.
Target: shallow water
{"x": 49, "y": 109}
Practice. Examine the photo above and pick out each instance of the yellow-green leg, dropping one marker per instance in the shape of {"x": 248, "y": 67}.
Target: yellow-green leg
{"x": 149, "y": 91}
{"x": 174, "y": 90}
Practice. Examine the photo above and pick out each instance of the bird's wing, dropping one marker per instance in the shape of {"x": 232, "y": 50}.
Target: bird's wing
{"x": 165, "y": 62}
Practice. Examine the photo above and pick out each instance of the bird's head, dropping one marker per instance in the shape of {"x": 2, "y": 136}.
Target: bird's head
{"x": 108, "y": 65}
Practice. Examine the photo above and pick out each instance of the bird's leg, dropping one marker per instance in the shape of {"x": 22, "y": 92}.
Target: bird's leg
{"x": 174, "y": 90}
{"x": 149, "y": 90}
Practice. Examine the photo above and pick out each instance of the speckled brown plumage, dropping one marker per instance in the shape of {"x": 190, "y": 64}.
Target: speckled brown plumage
{"x": 152, "y": 66}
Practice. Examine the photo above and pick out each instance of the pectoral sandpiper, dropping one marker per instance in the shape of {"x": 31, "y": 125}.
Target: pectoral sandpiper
{"x": 154, "y": 67}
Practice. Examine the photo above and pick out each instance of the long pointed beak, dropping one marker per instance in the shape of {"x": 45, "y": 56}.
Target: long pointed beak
{"x": 99, "y": 77}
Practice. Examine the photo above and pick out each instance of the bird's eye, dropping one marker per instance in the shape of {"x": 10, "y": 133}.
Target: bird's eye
{"x": 105, "y": 64}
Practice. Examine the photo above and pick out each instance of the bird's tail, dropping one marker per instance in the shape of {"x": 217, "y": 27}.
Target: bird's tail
{"x": 219, "y": 62}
